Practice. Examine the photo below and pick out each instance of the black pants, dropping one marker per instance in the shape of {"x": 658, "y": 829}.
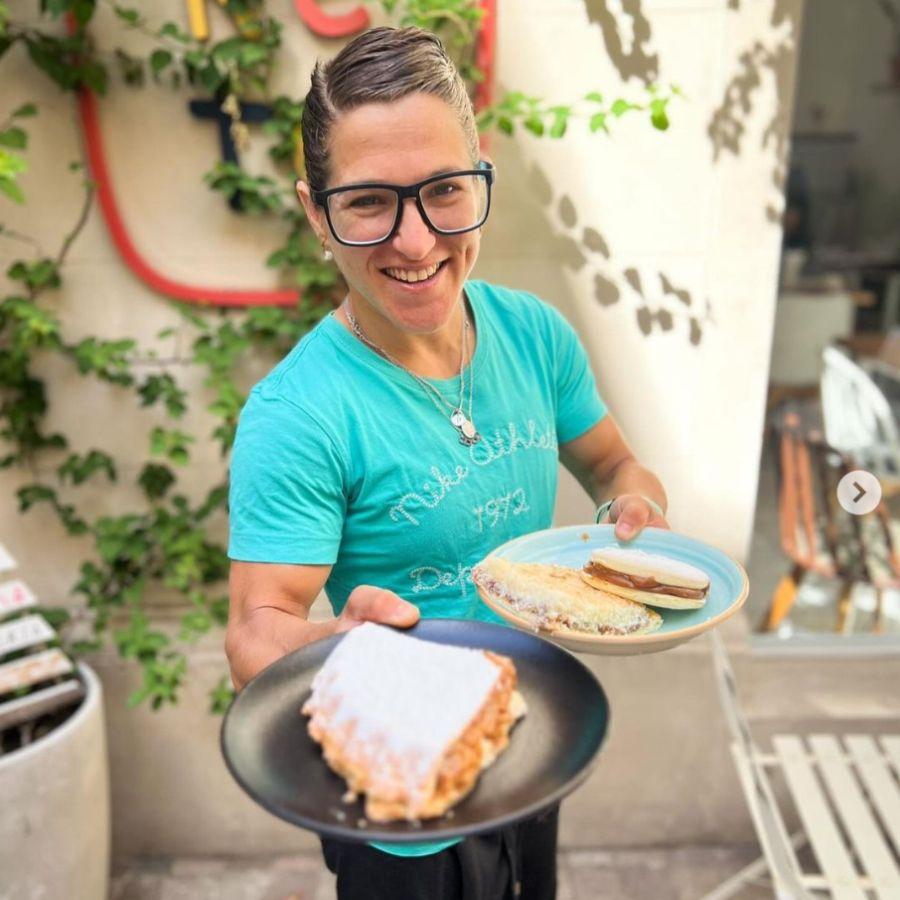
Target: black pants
{"x": 515, "y": 863}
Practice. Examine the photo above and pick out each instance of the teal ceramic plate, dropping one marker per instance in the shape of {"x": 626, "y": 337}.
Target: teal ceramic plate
{"x": 728, "y": 585}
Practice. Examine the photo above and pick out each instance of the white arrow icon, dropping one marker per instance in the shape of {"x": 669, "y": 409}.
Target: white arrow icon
{"x": 859, "y": 492}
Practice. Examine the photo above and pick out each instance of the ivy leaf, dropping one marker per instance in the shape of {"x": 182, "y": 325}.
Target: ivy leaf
{"x": 108, "y": 360}
{"x": 128, "y": 16}
{"x": 10, "y": 164}
{"x": 486, "y": 119}
{"x": 12, "y": 190}
{"x": 217, "y": 498}
{"x": 221, "y": 697}
{"x": 79, "y": 468}
{"x": 253, "y": 54}
{"x": 560, "y": 121}
{"x": 25, "y": 111}
{"x": 123, "y": 541}
{"x": 94, "y": 76}
{"x": 173, "y": 444}
{"x": 658, "y": 115}
{"x": 14, "y": 137}
{"x": 130, "y": 67}
{"x": 156, "y": 479}
{"x": 137, "y": 640}
{"x": 83, "y": 647}
{"x": 620, "y": 107}
{"x": 159, "y": 59}
{"x": 194, "y": 624}
{"x": 34, "y": 493}
{"x": 57, "y": 616}
{"x": 218, "y": 609}
{"x": 598, "y": 123}
{"x": 171, "y": 30}
{"x": 37, "y": 275}
{"x": 55, "y": 7}
{"x": 535, "y": 125}
{"x": 164, "y": 387}
{"x": 82, "y": 10}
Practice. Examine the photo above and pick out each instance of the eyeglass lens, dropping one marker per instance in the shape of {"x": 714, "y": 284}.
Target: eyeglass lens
{"x": 456, "y": 203}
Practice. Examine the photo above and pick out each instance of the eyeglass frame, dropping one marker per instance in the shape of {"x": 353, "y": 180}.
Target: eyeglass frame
{"x": 404, "y": 192}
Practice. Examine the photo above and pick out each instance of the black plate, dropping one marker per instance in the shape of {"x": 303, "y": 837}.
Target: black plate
{"x": 551, "y": 750}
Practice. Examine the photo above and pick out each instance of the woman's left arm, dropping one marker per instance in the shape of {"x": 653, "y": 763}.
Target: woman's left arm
{"x": 603, "y": 463}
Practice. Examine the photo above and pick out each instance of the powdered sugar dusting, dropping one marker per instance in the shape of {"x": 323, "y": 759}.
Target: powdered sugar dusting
{"x": 652, "y": 562}
{"x": 400, "y": 700}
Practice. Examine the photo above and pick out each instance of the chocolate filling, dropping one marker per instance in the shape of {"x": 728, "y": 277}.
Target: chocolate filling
{"x": 648, "y": 583}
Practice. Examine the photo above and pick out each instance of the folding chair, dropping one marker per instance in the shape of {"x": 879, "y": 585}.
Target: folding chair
{"x": 858, "y": 419}
{"x": 845, "y": 793}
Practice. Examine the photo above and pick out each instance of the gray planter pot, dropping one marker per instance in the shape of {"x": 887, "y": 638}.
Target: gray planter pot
{"x": 55, "y": 823}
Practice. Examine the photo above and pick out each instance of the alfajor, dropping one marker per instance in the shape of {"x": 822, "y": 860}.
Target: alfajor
{"x": 647, "y": 577}
{"x": 555, "y": 598}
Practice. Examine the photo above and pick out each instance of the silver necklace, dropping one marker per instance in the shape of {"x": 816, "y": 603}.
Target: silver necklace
{"x": 462, "y": 423}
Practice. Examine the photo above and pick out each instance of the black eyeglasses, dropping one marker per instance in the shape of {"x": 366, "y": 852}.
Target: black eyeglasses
{"x": 361, "y": 215}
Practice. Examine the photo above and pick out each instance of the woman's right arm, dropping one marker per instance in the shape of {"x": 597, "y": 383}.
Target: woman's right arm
{"x": 269, "y": 613}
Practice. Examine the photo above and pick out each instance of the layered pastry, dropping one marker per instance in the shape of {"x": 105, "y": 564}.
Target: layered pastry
{"x": 556, "y": 598}
{"x": 647, "y": 578}
{"x": 409, "y": 723}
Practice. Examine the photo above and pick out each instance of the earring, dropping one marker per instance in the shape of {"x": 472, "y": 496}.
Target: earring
{"x": 327, "y": 255}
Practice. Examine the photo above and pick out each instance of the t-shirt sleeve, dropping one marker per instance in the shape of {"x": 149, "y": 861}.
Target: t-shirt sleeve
{"x": 287, "y": 497}
{"x": 578, "y": 402}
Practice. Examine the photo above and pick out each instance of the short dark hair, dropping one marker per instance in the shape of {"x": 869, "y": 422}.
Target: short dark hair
{"x": 379, "y": 66}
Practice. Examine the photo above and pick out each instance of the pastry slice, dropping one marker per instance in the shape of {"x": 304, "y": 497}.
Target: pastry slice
{"x": 409, "y": 723}
{"x": 647, "y": 577}
{"x": 556, "y": 597}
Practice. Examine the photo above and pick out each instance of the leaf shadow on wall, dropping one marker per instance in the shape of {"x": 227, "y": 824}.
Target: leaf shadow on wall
{"x": 774, "y": 55}
{"x": 638, "y": 61}
{"x": 662, "y": 306}
{"x": 553, "y": 221}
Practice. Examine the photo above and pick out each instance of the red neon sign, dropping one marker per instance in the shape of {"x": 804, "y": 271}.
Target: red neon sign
{"x": 324, "y": 25}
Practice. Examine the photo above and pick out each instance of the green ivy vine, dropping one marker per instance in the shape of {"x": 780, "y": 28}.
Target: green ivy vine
{"x": 170, "y": 541}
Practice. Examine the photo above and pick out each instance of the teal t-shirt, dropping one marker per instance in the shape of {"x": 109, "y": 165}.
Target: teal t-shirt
{"x": 342, "y": 458}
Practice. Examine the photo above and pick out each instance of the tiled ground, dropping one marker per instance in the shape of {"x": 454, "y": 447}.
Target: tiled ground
{"x": 677, "y": 873}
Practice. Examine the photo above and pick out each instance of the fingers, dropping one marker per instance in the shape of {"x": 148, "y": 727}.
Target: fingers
{"x": 372, "y": 604}
{"x": 631, "y": 517}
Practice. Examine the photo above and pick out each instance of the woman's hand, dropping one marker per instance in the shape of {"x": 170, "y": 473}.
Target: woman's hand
{"x": 372, "y": 604}
{"x": 631, "y": 514}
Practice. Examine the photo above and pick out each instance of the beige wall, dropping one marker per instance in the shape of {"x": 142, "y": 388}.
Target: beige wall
{"x": 579, "y": 222}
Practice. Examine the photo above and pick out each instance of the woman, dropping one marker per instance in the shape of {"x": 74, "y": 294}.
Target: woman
{"x": 416, "y": 428}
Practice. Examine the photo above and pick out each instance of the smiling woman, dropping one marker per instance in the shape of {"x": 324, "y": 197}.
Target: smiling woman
{"x": 416, "y": 428}
{"x": 404, "y": 248}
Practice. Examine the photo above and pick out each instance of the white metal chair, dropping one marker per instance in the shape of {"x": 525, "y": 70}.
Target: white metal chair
{"x": 846, "y": 795}
{"x": 858, "y": 418}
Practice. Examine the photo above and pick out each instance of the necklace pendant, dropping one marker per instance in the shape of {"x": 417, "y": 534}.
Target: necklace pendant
{"x": 468, "y": 434}
{"x": 457, "y": 419}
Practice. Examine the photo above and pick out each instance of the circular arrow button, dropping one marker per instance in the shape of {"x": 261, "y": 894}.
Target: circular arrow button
{"x": 859, "y": 492}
